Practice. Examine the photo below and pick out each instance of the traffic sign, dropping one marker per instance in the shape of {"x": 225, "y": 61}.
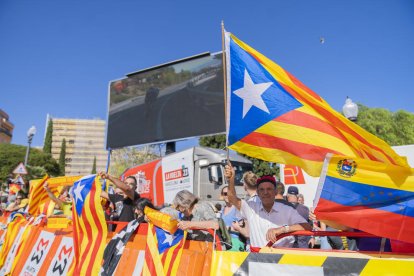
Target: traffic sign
{"x": 20, "y": 169}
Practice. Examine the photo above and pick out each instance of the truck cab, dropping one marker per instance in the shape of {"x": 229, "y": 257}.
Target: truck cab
{"x": 199, "y": 170}
{"x": 209, "y": 172}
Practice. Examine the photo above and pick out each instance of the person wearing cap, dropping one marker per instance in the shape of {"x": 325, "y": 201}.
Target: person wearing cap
{"x": 292, "y": 197}
{"x": 293, "y": 190}
{"x": 267, "y": 219}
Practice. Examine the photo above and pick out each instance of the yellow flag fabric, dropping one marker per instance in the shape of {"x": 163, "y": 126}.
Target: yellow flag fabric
{"x": 12, "y": 231}
{"x": 272, "y": 116}
{"x": 161, "y": 220}
{"x": 37, "y": 195}
{"x": 370, "y": 196}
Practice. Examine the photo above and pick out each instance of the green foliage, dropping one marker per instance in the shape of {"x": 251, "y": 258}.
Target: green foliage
{"x": 214, "y": 141}
{"x": 260, "y": 167}
{"x": 124, "y": 158}
{"x": 40, "y": 163}
{"x": 37, "y": 172}
{"x": 394, "y": 128}
{"x": 47, "y": 146}
{"x": 94, "y": 166}
{"x": 62, "y": 157}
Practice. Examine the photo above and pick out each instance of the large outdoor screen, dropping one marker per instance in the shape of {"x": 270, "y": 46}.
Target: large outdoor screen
{"x": 167, "y": 103}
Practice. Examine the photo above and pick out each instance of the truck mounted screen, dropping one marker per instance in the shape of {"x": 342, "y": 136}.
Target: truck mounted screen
{"x": 169, "y": 102}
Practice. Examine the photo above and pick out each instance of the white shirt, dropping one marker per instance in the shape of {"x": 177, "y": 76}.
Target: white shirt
{"x": 260, "y": 221}
{"x": 254, "y": 198}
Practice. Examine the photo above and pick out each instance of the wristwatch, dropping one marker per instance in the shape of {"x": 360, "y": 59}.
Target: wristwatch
{"x": 286, "y": 228}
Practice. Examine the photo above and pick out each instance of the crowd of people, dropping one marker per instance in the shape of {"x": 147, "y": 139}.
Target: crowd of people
{"x": 241, "y": 224}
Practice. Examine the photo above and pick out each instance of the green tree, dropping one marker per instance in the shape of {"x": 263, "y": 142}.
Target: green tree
{"x": 47, "y": 146}
{"x": 260, "y": 167}
{"x": 124, "y": 158}
{"x": 394, "y": 128}
{"x": 62, "y": 157}
{"x": 94, "y": 166}
{"x": 213, "y": 141}
{"x": 40, "y": 163}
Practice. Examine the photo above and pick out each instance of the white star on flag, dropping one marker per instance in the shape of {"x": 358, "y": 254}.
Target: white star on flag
{"x": 251, "y": 94}
{"x": 168, "y": 239}
{"x": 78, "y": 192}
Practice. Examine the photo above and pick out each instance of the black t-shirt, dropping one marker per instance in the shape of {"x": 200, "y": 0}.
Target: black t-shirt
{"x": 124, "y": 206}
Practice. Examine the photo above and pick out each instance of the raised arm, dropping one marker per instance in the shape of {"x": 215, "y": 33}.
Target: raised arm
{"x": 128, "y": 190}
{"x": 231, "y": 193}
{"x": 52, "y": 196}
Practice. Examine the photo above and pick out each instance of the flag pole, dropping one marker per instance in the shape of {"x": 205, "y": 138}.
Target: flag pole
{"x": 108, "y": 162}
{"x": 225, "y": 85}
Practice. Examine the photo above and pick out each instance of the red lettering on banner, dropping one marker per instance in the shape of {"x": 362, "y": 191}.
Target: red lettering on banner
{"x": 174, "y": 174}
{"x": 65, "y": 251}
{"x": 42, "y": 244}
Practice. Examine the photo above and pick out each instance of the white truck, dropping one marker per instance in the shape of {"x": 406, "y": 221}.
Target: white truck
{"x": 198, "y": 169}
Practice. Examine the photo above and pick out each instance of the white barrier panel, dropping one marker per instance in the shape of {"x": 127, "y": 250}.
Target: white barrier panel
{"x": 38, "y": 254}
{"x": 63, "y": 258}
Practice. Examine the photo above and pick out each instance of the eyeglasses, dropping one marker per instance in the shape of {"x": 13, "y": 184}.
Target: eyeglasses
{"x": 19, "y": 198}
{"x": 225, "y": 193}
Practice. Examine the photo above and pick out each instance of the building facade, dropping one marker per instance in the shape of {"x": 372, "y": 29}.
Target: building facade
{"x": 85, "y": 140}
{"x": 6, "y": 128}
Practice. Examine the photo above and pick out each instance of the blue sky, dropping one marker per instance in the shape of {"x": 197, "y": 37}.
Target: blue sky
{"x": 58, "y": 57}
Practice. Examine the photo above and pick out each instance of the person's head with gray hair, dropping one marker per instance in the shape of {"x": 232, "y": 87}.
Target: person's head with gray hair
{"x": 184, "y": 201}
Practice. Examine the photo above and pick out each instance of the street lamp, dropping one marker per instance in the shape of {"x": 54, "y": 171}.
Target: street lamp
{"x": 30, "y": 133}
{"x": 350, "y": 109}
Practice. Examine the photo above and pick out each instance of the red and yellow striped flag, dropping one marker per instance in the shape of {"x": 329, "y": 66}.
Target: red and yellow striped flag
{"x": 38, "y": 195}
{"x": 12, "y": 230}
{"x": 163, "y": 251}
{"x": 90, "y": 230}
{"x": 274, "y": 117}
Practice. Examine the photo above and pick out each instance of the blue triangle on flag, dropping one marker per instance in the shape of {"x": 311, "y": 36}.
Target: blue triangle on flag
{"x": 276, "y": 98}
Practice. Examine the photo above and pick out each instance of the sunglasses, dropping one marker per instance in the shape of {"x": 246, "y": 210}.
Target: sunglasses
{"x": 225, "y": 193}
{"x": 19, "y": 198}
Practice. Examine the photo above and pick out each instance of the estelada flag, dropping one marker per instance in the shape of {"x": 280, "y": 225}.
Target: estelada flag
{"x": 274, "y": 117}
{"x": 163, "y": 251}
{"x": 90, "y": 230}
{"x": 373, "y": 197}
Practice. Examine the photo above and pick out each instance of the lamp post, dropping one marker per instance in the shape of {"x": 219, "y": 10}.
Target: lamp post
{"x": 30, "y": 133}
{"x": 350, "y": 109}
